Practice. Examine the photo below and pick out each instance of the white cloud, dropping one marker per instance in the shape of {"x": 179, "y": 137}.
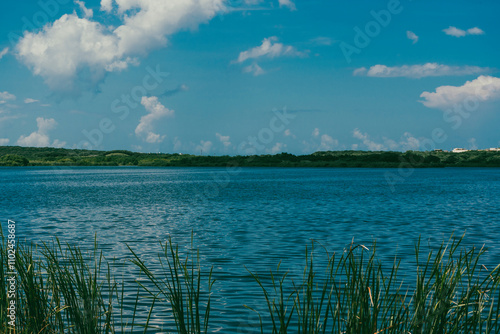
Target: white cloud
{"x": 409, "y": 142}
{"x": 254, "y": 69}
{"x": 406, "y": 142}
{"x": 288, "y": 133}
{"x": 270, "y": 48}
{"x": 88, "y": 13}
{"x": 327, "y": 143}
{"x": 360, "y": 71}
{"x": 277, "y": 148}
{"x": 204, "y": 147}
{"x": 79, "y": 48}
{"x": 6, "y": 96}
{"x": 472, "y": 144}
{"x": 475, "y": 31}
{"x": 411, "y": 35}
{"x": 483, "y": 88}
{"x": 321, "y": 40}
{"x": 29, "y": 100}
{"x": 4, "y": 141}
{"x": 225, "y": 140}
{"x": 106, "y": 5}
{"x": 456, "y": 32}
{"x": 287, "y": 3}
{"x": 40, "y": 138}
{"x": 177, "y": 144}
{"x": 418, "y": 71}
{"x": 4, "y": 52}
{"x": 371, "y": 145}
{"x": 156, "y": 112}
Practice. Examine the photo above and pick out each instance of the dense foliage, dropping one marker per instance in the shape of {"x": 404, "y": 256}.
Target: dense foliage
{"x": 28, "y": 156}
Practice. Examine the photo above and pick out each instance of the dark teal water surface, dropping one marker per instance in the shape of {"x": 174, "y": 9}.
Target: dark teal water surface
{"x": 252, "y": 217}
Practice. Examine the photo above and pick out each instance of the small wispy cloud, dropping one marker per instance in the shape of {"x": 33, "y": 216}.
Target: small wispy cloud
{"x": 6, "y": 96}
{"x": 225, "y": 140}
{"x": 270, "y": 48}
{"x": 4, "y": 52}
{"x": 456, "y": 32}
{"x": 29, "y": 100}
{"x": 254, "y": 69}
{"x": 419, "y": 71}
{"x": 287, "y": 3}
{"x": 412, "y": 36}
{"x": 322, "y": 41}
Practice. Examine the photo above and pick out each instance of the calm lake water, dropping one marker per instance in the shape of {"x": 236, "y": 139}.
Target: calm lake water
{"x": 252, "y": 217}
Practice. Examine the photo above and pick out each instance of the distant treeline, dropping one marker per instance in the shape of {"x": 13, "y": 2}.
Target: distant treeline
{"x": 29, "y": 156}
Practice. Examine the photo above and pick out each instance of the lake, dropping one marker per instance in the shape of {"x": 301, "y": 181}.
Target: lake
{"x": 252, "y": 217}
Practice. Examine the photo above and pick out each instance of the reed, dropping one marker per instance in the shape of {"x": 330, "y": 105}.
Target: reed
{"x": 453, "y": 293}
{"x": 62, "y": 289}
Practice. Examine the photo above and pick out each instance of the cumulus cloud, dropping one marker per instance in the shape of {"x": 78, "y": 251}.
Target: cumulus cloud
{"x": 156, "y": 111}
{"x": 327, "y": 143}
{"x": 225, "y": 140}
{"x": 88, "y": 13}
{"x": 412, "y": 36}
{"x": 4, "y": 52}
{"x": 483, "y": 88}
{"x": 371, "y": 145}
{"x": 107, "y": 5}
{"x": 418, "y": 71}
{"x": 6, "y": 96}
{"x": 74, "y": 47}
{"x": 29, "y": 100}
{"x": 456, "y": 32}
{"x": 254, "y": 69}
{"x": 4, "y": 141}
{"x": 277, "y": 148}
{"x": 475, "y": 31}
{"x": 270, "y": 48}
{"x": 40, "y": 138}
{"x": 287, "y": 3}
{"x": 406, "y": 142}
{"x": 409, "y": 142}
{"x": 204, "y": 147}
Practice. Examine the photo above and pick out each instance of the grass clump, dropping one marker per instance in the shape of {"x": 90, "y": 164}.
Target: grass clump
{"x": 61, "y": 289}
{"x": 452, "y": 293}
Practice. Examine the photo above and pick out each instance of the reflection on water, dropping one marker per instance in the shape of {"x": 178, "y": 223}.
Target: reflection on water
{"x": 252, "y": 218}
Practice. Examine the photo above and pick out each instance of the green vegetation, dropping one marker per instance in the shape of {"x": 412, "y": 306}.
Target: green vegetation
{"x": 64, "y": 290}
{"x": 28, "y": 156}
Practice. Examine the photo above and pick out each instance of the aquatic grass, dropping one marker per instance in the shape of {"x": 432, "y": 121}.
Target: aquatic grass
{"x": 452, "y": 294}
{"x": 63, "y": 289}
{"x": 60, "y": 289}
{"x": 180, "y": 287}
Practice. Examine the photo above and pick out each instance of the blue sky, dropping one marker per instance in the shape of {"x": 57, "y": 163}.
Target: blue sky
{"x": 244, "y": 77}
